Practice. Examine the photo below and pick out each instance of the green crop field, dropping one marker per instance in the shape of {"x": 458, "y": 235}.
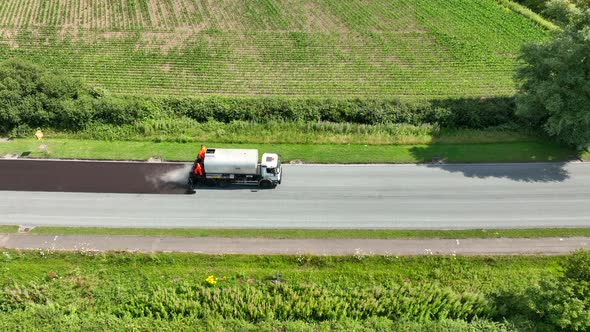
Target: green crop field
{"x": 353, "y": 48}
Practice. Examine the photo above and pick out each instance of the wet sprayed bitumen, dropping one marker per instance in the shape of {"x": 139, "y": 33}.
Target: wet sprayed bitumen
{"x": 94, "y": 176}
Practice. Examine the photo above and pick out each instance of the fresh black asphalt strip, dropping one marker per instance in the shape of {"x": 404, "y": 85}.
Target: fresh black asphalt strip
{"x": 94, "y": 176}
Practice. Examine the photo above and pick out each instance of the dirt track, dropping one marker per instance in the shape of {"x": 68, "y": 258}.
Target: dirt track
{"x": 93, "y": 176}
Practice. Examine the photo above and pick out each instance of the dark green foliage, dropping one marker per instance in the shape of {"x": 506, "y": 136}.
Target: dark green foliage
{"x": 555, "y": 84}
{"x": 535, "y": 5}
{"x": 564, "y": 302}
{"x": 119, "y": 110}
{"x": 577, "y": 267}
{"x": 461, "y": 113}
{"x": 540, "y": 6}
{"x": 560, "y": 11}
{"x": 30, "y": 96}
{"x": 475, "y": 113}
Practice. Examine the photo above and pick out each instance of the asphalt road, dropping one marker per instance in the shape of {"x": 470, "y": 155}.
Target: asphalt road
{"x": 311, "y": 196}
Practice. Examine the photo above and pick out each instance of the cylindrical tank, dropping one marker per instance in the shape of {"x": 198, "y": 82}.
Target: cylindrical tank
{"x": 231, "y": 161}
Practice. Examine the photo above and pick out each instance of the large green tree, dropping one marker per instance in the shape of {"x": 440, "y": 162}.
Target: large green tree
{"x": 554, "y": 91}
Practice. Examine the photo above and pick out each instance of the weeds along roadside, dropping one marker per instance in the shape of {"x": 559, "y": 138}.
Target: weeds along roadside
{"x": 255, "y": 289}
{"x": 183, "y": 130}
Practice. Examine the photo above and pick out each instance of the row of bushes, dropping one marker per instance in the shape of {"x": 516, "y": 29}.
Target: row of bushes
{"x": 460, "y": 113}
{"x": 31, "y": 97}
{"x": 79, "y": 113}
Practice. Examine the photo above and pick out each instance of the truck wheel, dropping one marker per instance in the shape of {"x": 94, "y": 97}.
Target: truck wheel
{"x": 265, "y": 184}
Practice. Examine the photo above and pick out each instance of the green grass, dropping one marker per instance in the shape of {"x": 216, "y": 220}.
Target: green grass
{"x": 4, "y": 229}
{"x": 37, "y": 319}
{"x": 314, "y": 233}
{"x": 586, "y": 155}
{"x": 56, "y": 287}
{"x": 292, "y": 132}
{"x": 405, "y": 48}
{"x": 313, "y": 153}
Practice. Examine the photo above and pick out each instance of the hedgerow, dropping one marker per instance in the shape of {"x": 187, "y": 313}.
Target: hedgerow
{"x": 462, "y": 113}
{"x": 33, "y": 97}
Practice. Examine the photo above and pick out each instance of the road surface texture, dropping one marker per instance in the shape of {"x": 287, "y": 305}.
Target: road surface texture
{"x": 433, "y": 196}
{"x": 356, "y": 247}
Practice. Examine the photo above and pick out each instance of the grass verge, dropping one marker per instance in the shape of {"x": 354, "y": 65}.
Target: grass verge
{"x": 4, "y": 229}
{"x": 180, "y": 129}
{"x": 318, "y": 233}
{"x": 165, "y": 288}
{"x": 310, "y": 153}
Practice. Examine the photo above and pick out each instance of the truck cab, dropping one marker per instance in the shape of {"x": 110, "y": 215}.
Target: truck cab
{"x": 270, "y": 170}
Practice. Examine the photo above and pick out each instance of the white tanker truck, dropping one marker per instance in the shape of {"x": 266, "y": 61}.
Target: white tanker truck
{"x": 235, "y": 166}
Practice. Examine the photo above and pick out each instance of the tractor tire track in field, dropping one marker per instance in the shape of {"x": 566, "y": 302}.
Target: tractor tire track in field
{"x": 94, "y": 176}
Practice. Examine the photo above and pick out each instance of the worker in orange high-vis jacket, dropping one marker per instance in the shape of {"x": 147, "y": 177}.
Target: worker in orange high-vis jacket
{"x": 199, "y": 170}
{"x": 201, "y": 154}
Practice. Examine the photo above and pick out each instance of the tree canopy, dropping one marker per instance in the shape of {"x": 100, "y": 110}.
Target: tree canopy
{"x": 554, "y": 82}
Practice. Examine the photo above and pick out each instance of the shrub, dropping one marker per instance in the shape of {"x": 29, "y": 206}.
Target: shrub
{"x": 120, "y": 111}
{"x": 31, "y": 96}
{"x": 564, "y": 302}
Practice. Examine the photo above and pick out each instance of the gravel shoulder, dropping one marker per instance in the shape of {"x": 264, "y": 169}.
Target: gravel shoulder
{"x": 332, "y": 247}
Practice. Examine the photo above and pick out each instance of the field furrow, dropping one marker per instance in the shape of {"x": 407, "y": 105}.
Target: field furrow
{"x": 274, "y": 47}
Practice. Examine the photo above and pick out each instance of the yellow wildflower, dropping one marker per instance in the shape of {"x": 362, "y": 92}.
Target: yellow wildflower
{"x": 211, "y": 280}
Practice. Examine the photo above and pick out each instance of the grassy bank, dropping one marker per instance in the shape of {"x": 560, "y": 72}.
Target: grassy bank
{"x": 310, "y": 153}
{"x": 187, "y": 130}
{"x": 312, "y": 233}
{"x": 48, "y": 288}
